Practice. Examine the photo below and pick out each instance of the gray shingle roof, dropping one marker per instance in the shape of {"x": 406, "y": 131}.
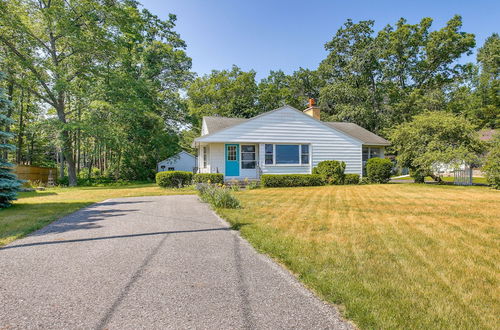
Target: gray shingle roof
{"x": 215, "y": 124}
{"x": 359, "y": 133}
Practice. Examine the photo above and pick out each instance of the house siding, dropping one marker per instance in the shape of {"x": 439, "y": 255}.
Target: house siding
{"x": 180, "y": 162}
{"x": 288, "y": 126}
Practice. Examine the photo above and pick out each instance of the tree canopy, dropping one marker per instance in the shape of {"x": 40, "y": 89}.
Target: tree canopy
{"x": 105, "y": 89}
{"x": 432, "y": 139}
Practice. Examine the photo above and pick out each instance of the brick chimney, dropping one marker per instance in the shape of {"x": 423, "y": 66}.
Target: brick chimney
{"x": 312, "y": 110}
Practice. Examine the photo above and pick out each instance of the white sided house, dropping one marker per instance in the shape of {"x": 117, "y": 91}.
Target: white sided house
{"x": 282, "y": 141}
{"x": 183, "y": 161}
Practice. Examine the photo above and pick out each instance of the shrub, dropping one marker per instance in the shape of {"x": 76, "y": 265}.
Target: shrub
{"x": 331, "y": 171}
{"x": 418, "y": 176}
{"x": 379, "y": 170}
{"x": 492, "y": 165}
{"x": 351, "y": 179}
{"x": 218, "y": 196}
{"x": 205, "y": 177}
{"x": 175, "y": 179}
{"x": 291, "y": 180}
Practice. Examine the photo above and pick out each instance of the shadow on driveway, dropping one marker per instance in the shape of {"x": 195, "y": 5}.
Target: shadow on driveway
{"x": 113, "y": 237}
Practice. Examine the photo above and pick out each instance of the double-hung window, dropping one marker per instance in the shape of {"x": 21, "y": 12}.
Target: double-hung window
{"x": 304, "y": 154}
{"x": 248, "y": 160}
{"x": 287, "y": 154}
{"x": 269, "y": 154}
{"x": 205, "y": 157}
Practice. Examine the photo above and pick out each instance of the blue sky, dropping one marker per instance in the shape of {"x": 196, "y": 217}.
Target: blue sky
{"x": 272, "y": 35}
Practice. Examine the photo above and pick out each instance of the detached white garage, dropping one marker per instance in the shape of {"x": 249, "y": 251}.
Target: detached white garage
{"x": 183, "y": 161}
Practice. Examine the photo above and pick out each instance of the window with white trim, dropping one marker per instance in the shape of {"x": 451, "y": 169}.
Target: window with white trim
{"x": 269, "y": 154}
{"x": 304, "y": 154}
{"x": 287, "y": 154}
{"x": 205, "y": 157}
{"x": 248, "y": 157}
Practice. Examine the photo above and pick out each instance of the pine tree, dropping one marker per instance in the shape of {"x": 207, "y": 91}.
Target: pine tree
{"x": 9, "y": 184}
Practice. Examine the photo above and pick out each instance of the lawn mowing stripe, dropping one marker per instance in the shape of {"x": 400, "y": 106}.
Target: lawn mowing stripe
{"x": 410, "y": 244}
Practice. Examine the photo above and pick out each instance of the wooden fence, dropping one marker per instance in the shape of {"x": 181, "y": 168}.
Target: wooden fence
{"x": 35, "y": 173}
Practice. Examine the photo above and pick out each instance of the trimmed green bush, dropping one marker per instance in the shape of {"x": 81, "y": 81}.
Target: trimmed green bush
{"x": 379, "y": 170}
{"x": 218, "y": 195}
{"x": 205, "y": 177}
{"x": 331, "y": 171}
{"x": 291, "y": 180}
{"x": 351, "y": 179}
{"x": 174, "y": 179}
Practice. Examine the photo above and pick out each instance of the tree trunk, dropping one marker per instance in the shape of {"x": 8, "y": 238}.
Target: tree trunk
{"x": 20, "y": 134}
{"x": 435, "y": 177}
{"x": 61, "y": 165}
{"x": 10, "y": 93}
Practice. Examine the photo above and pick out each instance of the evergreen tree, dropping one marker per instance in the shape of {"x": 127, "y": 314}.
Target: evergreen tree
{"x": 9, "y": 184}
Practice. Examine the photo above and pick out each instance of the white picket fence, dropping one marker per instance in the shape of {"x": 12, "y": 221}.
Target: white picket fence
{"x": 463, "y": 177}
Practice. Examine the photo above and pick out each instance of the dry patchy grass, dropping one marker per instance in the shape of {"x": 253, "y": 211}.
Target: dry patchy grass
{"x": 394, "y": 256}
{"x": 34, "y": 210}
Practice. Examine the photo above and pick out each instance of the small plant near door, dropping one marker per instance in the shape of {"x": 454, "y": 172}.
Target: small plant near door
{"x": 218, "y": 195}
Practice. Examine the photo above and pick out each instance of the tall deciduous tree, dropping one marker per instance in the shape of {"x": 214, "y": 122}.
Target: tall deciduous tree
{"x": 109, "y": 71}
{"x": 378, "y": 80}
{"x": 435, "y": 138}
{"x": 488, "y": 57}
{"x": 56, "y": 41}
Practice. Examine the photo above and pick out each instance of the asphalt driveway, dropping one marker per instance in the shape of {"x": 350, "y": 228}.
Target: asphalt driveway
{"x": 150, "y": 262}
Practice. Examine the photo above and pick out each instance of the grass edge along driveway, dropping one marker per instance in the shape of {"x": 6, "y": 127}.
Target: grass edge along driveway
{"x": 394, "y": 256}
{"x": 34, "y": 210}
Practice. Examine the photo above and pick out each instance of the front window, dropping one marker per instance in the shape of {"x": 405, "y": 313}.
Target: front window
{"x": 287, "y": 154}
{"x": 269, "y": 154}
{"x": 205, "y": 156}
{"x": 304, "y": 154}
{"x": 248, "y": 157}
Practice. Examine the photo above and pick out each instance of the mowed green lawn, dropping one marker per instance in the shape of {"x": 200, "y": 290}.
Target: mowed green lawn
{"x": 392, "y": 256}
{"x": 34, "y": 210}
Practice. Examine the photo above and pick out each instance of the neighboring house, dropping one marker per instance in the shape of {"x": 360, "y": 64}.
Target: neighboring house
{"x": 486, "y": 135}
{"x": 282, "y": 141}
{"x": 183, "y": 161}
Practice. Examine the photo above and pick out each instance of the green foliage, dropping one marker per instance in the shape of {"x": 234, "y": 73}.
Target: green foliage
{"x": 380, "y": 79}
{"x": 291, "y": 180}
{"x": 488, "y": 57}
{"x": 218, "y": 195}
{"x": 492, "y": 164}
{"x": 418, "y": 175}
{"x": 379, "y": 170}
{"x": 9, "y": 184}
{"x": 206, "y": 177}
{"x": 230, "y": 93}
{"x": 435, "y": 138}
{"x": 174, "y": 179}
{"x": 111, "y": 80}
{"x": 351, "y": 179}
{"x": 279, "y": 89}
{"x": 330, "y": 171}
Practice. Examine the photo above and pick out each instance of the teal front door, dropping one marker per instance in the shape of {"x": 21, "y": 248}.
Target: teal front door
{"x": 232, "y": 160}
